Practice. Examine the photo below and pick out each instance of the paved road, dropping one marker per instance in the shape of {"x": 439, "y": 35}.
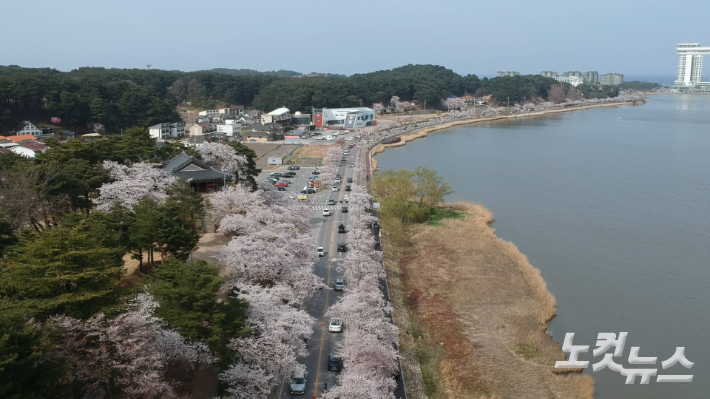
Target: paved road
{"x": 322, "y": 343}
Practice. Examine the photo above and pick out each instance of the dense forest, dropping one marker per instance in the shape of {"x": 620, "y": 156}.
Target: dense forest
{"x": 639, "y": 85}
{"x": 124, "y": 98}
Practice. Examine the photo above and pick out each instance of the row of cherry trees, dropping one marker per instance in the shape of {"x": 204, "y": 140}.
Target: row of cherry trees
{"x": 270, "y": 257}
{"x": 369, "y": 345}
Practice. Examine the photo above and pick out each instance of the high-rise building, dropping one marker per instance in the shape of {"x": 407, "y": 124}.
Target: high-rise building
{"x": 690, "y": 63}
{"x": 612, "y": 79}
{"x": 549, "y": 74}
{"x": 591, "y": 77}
{"x": 508, "y": 73}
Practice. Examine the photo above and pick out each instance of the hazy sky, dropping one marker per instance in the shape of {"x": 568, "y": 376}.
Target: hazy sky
{"x": 628, "y": 36}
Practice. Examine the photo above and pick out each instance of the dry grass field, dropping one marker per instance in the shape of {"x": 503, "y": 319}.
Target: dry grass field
{"x": 476, "y": 313}
{"x": 311, "y": 151}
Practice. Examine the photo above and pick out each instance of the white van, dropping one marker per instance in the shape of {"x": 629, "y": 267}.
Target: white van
{"x": 329, "y": 137}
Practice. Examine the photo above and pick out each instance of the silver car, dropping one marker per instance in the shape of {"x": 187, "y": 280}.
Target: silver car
{"x": 299, "y": 379}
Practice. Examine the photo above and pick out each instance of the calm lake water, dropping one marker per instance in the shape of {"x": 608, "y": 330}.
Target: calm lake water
{"x": 613, "y": 206}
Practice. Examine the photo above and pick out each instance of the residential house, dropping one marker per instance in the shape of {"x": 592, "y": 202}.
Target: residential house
{"x": 195, "y": 141}
{"x": 230, "y": 128}
{"x": 90, "y": 136}
{"x": 164, "y": 131}
{"x": 27, "y": 128}
{"x": 22, "y": 139}
{"x": 6, "y": 143}
{"x": 29, "y": 149}
{"x": 280, "y": 115}
{"x": 202, "y": 128}
{"x": 262, "y": 133}
{"x": 209, "y": 112}
{"x": 202, "y": 177}
{"x": 232, "y": 110}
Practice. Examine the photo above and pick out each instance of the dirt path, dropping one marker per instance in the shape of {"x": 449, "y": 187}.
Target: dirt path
{"x": 477, "y": 297}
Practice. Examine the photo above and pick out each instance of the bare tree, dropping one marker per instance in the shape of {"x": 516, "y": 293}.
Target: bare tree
{"x": 557, "y": 94}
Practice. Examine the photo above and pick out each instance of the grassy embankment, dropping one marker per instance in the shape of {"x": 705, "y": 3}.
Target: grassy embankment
{"x": 473, "y": 311}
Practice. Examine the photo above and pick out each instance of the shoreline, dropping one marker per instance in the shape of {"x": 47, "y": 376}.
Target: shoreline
{"x": 407, "y": 137}
{"x": 475, "y": 313}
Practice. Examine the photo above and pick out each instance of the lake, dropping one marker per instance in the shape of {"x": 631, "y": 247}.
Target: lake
{"x": 613, "y": 206}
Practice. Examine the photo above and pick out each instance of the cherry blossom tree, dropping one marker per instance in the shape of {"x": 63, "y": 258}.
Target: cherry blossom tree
{"x": 396, "y": 104}
{"x": 355, "y": 386}
{"x": 454, "y": 103}
{"x": 128, "y": 354}
{"x": 132, "y": 183}
{"x": 232, "y": 200}
{"x": 378, "y": 107}
{"x": 246, "y": 381}
{"x": 55, "y": 120}
{"x": 223, "y": 157}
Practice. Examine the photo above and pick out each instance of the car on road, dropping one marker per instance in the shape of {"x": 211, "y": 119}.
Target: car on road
{"x": 350, "y": 179}
{"x": 320, "y": 251}
{"x": 352, "y": 165}
{"x": 335, "y": 363}
{"x": 342, "y": 247}
{"x": 341, "y": 228}
{"x": 294, "y": 167}
{"x": 336, "y": 325}
{"x": 281, "y": 184}
{"x": 338, "y": 176}
{"x": 308, "y": 190}
{"x": 313, "y": 178}
{"x": 334, "y": 188}
{"x": 346, "y": 198}
{"x": 326, "y": 212}
{"x": 339, "y": 284}
{"x": 331, "y": 202}
{"x": 299, "y": 379}
{"x": 347, "y": 188}
{"x": 337, "y": 180}
{"x": 344, "y": 209}
{"x": 315, "y": 172}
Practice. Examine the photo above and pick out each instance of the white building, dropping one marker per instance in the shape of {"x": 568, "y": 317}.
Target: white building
{"x": 690, "y": 63}
{"x": 278, "y": 115}
{"x": 349, "y": 118}
{"x": 163, "y": 131}
{"x": 507, "y": 73}
{"x": 209, "y": 112}
{"x": 573, "y": 80}
{"x": 27, "y": 127}
{"x": 230, "y": 128}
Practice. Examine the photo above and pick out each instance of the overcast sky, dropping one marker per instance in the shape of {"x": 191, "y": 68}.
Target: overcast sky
{"x": 635, "y": 37}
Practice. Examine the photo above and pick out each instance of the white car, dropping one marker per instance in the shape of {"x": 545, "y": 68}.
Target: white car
{"x": 334, "y": 188}
{"x": 320, "y": 251}
{"x": 326, "y": 212}
{"x": 352, "y": 165}
{"x": 337, "y": 181}
{"x": 336, "y": 325}
{"x": 346, "y": 198}
{"x": 349, "y": 139}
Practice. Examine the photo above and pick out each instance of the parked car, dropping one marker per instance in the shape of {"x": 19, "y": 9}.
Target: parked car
{"x": 335, "y": 363}
{"x": 281, "y": 188}
{"x": 336, "y": 325}
{"x": 326, "y": 212}
{"x": 344, "y": 209}
{"x": 315, "y": 172}
{"x": 290, "y": 174}
{"x": 339, "y": 284}
{"x": 331, "y": 202}
{"x": 320, "y": 251}
{"x": 294, "y": 167}
{"x": 341, "y": 246}
{"x": 281, "y": 184}
{"x": 299, "y": 379}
